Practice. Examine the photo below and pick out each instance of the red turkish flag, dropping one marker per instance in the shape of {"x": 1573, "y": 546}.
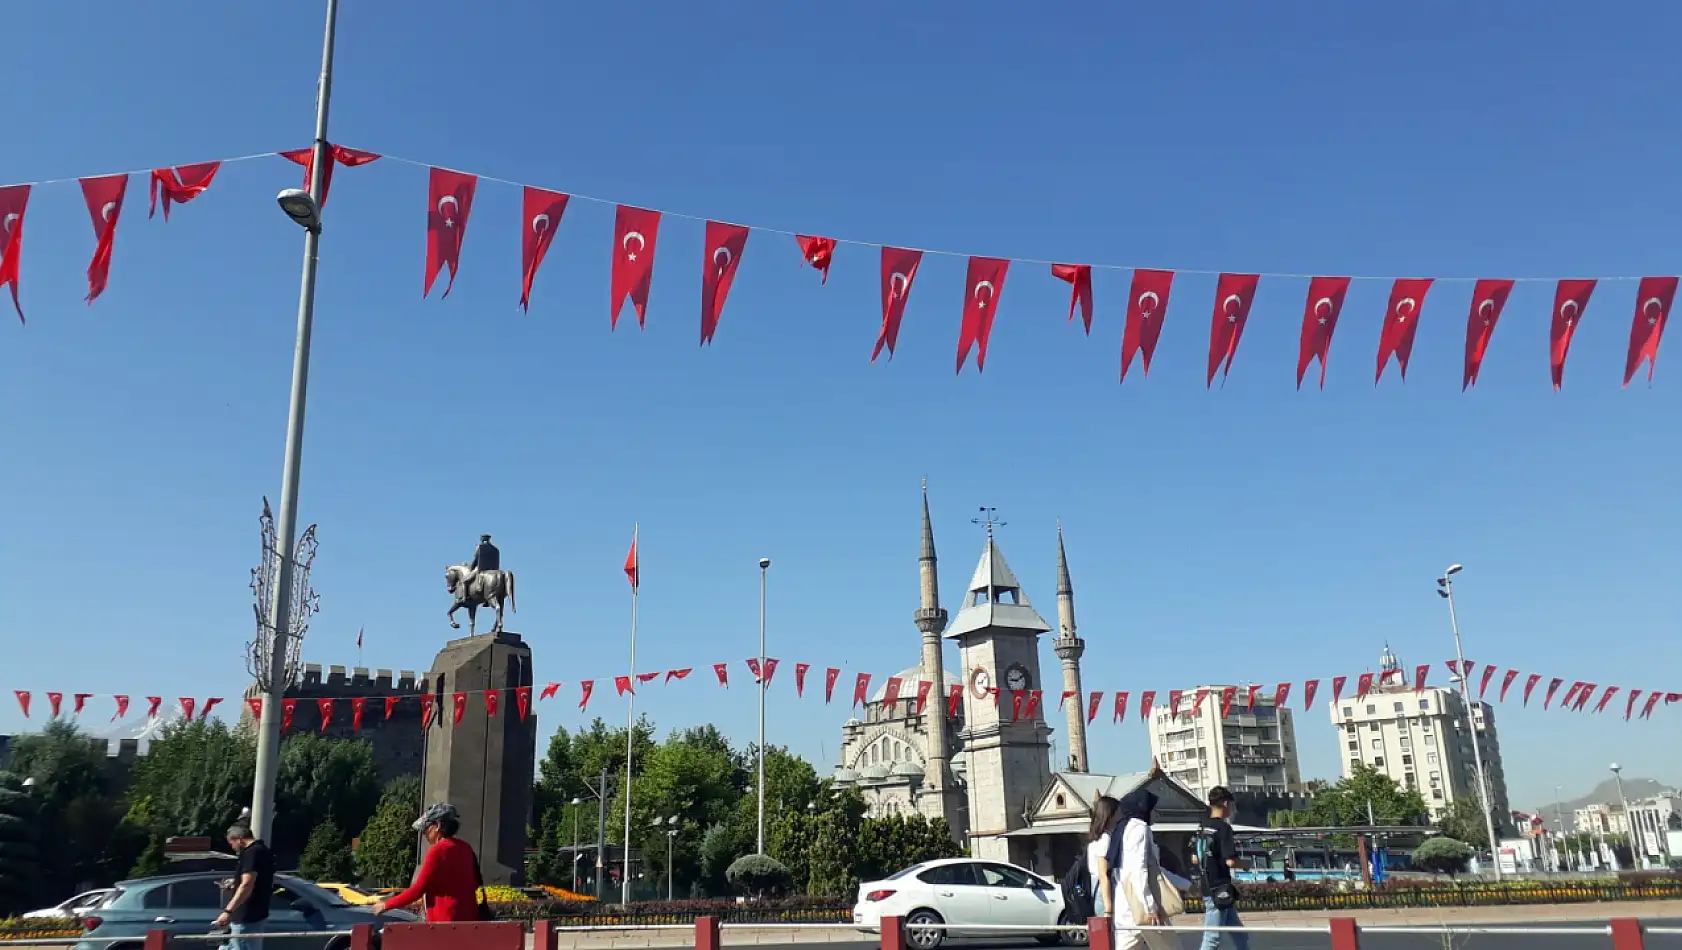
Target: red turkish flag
{"x": 633, "y": 565}
{"x": 1064, "y": 700}
{"x": 800, "y": 678}
{"x": 357, "y": 704}
{"x": 1629, "y": 706}
{"x": 899, "y": 272}
{"x": 522, "y": 700}
{"x": 187, "y": 706}
{"x": 1147, "y": 699}
{"x": 1033, "y": 709}
{"x": 1234, "y": 293}
{"x": 1529, "y": 685}
{"x": 492, "y": 699}
{"x": 390, "y": 704}
{"x": 287, "y": 707}
{"x": 1197, "y": 702}
{"x": 1227, "y": 694}
{"x": 634, "y": 234}
{"x": 830, "y": 675}
{"x": 122, "y": 708}
{"x": 460, "y": 700}
{"x": 753, "y": 668}
{"x": 549, "y": 691}
{"x": 1092, "y": 703}
{"x": 984, "y": 284}
{"x": 1308, "y": 690}
{"x": 890, "y": 693}
{"x": 55, "y": 702}
{"x": 1583, "y": 697}
{"x": 1401, "y": 322}
{"x": 104, "y": 197}
{"x": 1507, "y": 681}
{"x": 1174, "y": 696}
{"x": 818, "y": 252}
{"x": 1570, "y": 695}
{"x": 1571, "y": 298}
{"x": 1488, "y": 299}
{"x": 325, "y": 707}
{"x": 1483, "y": 685}
{"x": 923, "y": 687}
{"x": 1420, "y": 673}
{"x": 255, "y": 704}
{"x": 585, "y": 688}
{"x": 1363, "y": 686}
{"x": 181, "y": 184}
{"x": 541, "y": 215}
{"x": 649, "y": 677}
{"x": 348, "y": 157}
{"x": 14, "y": 202}
{"x": 1281, "y": 694}
{"x": 724, "y": 244}
{"x": 1652, "y": 308}
{"x": 622, "y": 685}
{"x": 1652, "y": 701}
{"x": 722, "y": 671}
{"x": 448, "y": 203}
{"x": 953, "y": 696}
{"x": 429, "y": 709}
{"x": 677, "y": 674}
{"x": 1120, "y": 706}
{"x": 1250, "y": 701}
{"x": 861, "y": 689}
{"x": 209, "y": 704}
{"x": 1079, "y": 277}
{"x": 1319, "y": 322}
{"x": 1605, "y": 698}
{"x": 152, "y": 705}
{"x": 1337, "y": 687}
{"x": 1147, "y": 306}
{"x": 1553, "y": 687}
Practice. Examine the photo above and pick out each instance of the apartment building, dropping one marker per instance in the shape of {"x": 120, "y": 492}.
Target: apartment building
{"x": 1599, "y": 819}
{"x": 1250, "y": 749}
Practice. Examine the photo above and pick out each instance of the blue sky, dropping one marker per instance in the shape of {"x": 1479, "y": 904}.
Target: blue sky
{"x": 1250, "y": 531}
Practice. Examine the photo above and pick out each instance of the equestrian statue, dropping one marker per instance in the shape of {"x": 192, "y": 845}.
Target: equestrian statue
{"x": 480, "y": 582}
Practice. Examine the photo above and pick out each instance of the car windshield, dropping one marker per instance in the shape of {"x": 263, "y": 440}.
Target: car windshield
{"x": 913, "y": 869}
{"x": 319, "y": 895}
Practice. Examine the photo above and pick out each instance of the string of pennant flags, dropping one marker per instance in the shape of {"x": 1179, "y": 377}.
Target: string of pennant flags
{"x": 451, "y": 194}
{"x": 1025, "y": 703}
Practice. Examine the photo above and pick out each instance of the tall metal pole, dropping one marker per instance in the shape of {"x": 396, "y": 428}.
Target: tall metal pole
{"x": 601, "y": 834}
{"x": 1559, "y": 792}
{"x": 268, "y": 727}
{"x": 575, "y": 804}
{"x": 1471, "y": 726}
{"x": 630, "y": 732}
{"x": 764, "y": 568}
{"x": 671, "y": 836}
{"x": 1629, "y": 821}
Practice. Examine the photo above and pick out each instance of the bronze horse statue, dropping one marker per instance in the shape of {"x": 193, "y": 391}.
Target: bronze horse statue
{"x": 486, "y": 589}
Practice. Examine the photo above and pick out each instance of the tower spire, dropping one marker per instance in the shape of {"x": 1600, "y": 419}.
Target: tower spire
{"x": 1070, "y": 647}
{"x": 930, "y": 618}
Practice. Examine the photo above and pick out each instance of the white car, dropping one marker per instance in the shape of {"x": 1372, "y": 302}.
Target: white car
{"x": 70, "y": 908}
{"x": 969, "y": 895}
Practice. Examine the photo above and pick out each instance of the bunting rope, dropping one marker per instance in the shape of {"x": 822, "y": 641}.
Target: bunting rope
{"x": 636, "y": 232}
{"x": 1025, "y": 703}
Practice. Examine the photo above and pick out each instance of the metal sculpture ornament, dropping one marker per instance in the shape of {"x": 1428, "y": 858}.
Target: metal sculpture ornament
{"x": 265, "y": 581}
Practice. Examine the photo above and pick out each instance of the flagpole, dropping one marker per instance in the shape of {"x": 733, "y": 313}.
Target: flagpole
{"x": 630, "y": 723}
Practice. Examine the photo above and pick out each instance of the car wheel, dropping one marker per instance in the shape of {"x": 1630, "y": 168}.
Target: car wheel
{"x": 924, "y": 939}
{"x": 338, "y": 943}
{"x": 1068, "y": 938}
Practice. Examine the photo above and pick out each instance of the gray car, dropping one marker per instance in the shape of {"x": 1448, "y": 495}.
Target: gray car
{"x": 185, "y": 904}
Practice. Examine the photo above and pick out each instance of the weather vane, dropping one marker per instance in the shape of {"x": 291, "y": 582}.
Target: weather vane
{"x": 304, "y": 603}
{"x": 989, "y": 518}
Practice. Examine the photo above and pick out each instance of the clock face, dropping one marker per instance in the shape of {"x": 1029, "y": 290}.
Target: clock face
{"x": 1016, "y": 678}
{"x": 980, "y": 682}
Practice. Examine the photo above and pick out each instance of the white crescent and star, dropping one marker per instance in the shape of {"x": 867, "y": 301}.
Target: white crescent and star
{"x": 722, "y": 252}
{"x": 898, "y": 284}
{"x": 1148, "y": 302}
{"x": 1487, "y": 311}
{"x": 625, "y": 242}
{"x": 1323, "y": 309}
{"x": 540, "y": 223}
{"x": 6, "y": 225}
{"x": 1405, "y": 308}
{"x": 1568, "y": 311}
{"x": 447, "y": 208}
{"x": 1232, "y": 304}
{"x": 1653, "y": 307}
{"x": 976, "y": 293}
{"x": 109, "y": 210}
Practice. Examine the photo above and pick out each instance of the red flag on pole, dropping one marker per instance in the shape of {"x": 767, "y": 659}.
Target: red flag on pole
{"x": 634, "y": 234}
{"x": 449, "y": 201}
{"x": 984, "y": 284}
{"x": 1147, "y": 306}
{"x": 1319, "y": 322}
{"x": 899, "y": 271}
{"x": 541, "y": 214}
{"x": 633, "y": 566}
{"x": 1079, "y": 277}
{"x": 1652, "y": 309}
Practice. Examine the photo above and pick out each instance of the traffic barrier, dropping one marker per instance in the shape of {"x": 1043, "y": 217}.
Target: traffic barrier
{"x": 1345, "y": 935}
{"x": 488, "y": 935}
{"x": 706, "y": 933}
{"x": 1626, "y": 934}
{"x": 362, "y": 937}
{"x": 157, "y": 940}
{"x": 893, "y": 933}
{"x": 1099, "y": 935}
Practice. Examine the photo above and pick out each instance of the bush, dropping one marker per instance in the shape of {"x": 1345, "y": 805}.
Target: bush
{"x": 327, "y": 857}
{"x": 781, "y": 910}
{"x": 758, "y": 875}
{"x": 1442, "y": 856}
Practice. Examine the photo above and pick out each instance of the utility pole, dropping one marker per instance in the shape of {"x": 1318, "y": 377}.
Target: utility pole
{"x": 601, "y": 831}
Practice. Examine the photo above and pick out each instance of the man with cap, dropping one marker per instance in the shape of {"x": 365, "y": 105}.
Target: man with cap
{"x": 247, "y": 911}
{"x": 486, "y": 557}
{"x": 449, "y": 879}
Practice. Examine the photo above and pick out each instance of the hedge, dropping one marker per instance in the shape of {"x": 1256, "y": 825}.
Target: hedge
{"x": 38, "y": 929}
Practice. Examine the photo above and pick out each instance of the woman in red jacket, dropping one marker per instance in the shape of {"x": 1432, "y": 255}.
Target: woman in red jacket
{"x": 449, "y": 878}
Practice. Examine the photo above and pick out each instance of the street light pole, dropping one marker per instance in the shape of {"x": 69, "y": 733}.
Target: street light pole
{"x": 1629, "y": 820}
{"x": 280, "y": 620}
{"x": 1559, "y": 793}
{"x": 764, "y": 568}
{"x": 1445, "y": 587}
{"x": 575, "y": 803}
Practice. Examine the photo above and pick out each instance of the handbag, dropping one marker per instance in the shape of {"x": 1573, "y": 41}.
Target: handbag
{"x": 1168, "y": 897}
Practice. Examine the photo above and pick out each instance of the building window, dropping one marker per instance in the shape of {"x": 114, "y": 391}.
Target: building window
{"x": 1431, "y": 757}
{"x": 1412, "y": 783}
{"x": 1405, "y": 742}
{"x": 1371, "y": 709}
{"x": 1406, "y": 760}
{"x": 1348, "y": 711}
{"x": 1378, "y": 762}
{"x": 1424, "y": 704}
{"x": 1378, "y": 743}
{"x": 1437, "y": 794}
{"x": 1354, "y": 746}
{"x": 1398, "y": 707}
{"x": 1354, "y": 764}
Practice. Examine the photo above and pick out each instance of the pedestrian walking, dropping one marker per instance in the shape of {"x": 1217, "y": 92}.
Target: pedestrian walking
{"x": 247, "y": 911}
{"x": 1217, "y": 857}
{"x": 1142, "y": 892}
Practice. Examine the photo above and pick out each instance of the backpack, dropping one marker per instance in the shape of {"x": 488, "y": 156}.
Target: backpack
{"x": 1078, "y": 891}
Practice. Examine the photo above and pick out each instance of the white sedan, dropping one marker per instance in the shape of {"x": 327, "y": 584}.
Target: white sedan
{"x": 968, "y": 895}
{"x": 70, "y": 908}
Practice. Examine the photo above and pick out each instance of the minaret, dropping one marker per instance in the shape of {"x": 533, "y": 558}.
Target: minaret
{"x": 931, "y": 620}
{"x": 1069, "y": 648}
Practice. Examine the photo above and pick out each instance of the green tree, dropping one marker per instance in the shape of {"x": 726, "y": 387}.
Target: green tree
{"x": 327, "y": 855}
{"x": 756, "y": 875}
{"x": 694, "y": 777}
{"x": 1442, "y": 856}
{"x": 385, "y": 851}
{"x": 572, "y": 768}
{"x": 321, "y": 778}
{"x": 74, "y": 805}
{"x": 20, "y": 857}
{"x": 721, "y": 845}
{"x": 1347, "y": 802}
{"x": 197, "y": 777}
{"x": 1463, "y": 820}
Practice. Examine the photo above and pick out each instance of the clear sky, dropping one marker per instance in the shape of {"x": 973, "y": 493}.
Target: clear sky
{"x": 1251, "y": 531}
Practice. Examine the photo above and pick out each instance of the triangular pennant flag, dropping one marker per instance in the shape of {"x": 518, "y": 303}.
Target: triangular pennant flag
{"x": 1337, "y": 687}
{"x": 122, "y": 708}
{"x": 1250, "y": 701}
{"x": 81, "y": 703}
{"x": 1197, "y": 701}
{"x": 890, "y": 693}
{"x": 153, "y": 704}
{"x": 1363, "y": 686}
{"x": 1147, "y": 699}
{"x": 357, "y": 704}
{"x": 55, "y": 702}
{"x": 1308, "y": 690}
{"x": 1420, "y": 673}
{"x": 209, "y": 704}
{"x": 549, "y": 691}
{"x": 1553, "y": 687}
{"x": 325, "y": 706}
{"x": 429, "y": 708}
{"x": 678, "y": 674}
{"x": 1227, "y": 692}
{"x": 585, "y": 689}
{"x": 800, "y": 678}
{"x": 861, "y": 689}
{"x": 492, "y": 698}
{"x": 1034, "y": 697}
{"x": 522, "y": 701}
{"x": 1629, "y": 707}
{"x": 953, "y": 696}
{"x": 622, "y": 685}
{"x": 1507, "y": 681}
{"x": 187, "y": 704}
{"x": 722, "y": 671}
{"x": 287, "y": 707}
{"x": 770, "y": 670}
{"x": 923, "y": 687}
{"x": 460, "y": 700}
{"x": 1120, "y": 706}
{"x": 753, "y": 668}
{"x": 390, "y": 704}
{"x": 1483, "y": 687}
{"x": 1530, "y": 684}
{"x": 1174, "y": 697}
{"x": 830, "y": 675}
{"x": 1015, "y": 705}
{"x": 1281, "y": 693}
{"x": 1064, "y": 701}
{"x": 1094, "y": 701}
{"x": 648, "y": 677}
{"x": 255, "y": 704}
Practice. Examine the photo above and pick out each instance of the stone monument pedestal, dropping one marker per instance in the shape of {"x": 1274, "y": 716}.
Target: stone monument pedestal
{"x": 484, "y": 764}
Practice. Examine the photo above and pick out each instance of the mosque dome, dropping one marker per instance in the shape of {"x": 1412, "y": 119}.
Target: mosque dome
{"x": 846, "y": 776}
{"x": 874, "y": 773}
{"x": 908, "y": 683}
{"x": 908, "y": 770}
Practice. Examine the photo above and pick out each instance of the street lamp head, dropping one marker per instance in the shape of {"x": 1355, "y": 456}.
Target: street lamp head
{"x": 764, "y": 563}
{"x": 1453, "y": 569}
{"x": 29, "y": 783}
{"x": 1616, "y": 768}
{"x": 578, "y": 801}
{"x": 300, "y": 207}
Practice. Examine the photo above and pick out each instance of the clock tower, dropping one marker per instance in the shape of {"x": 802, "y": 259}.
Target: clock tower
{"x": 1005, "y": 738}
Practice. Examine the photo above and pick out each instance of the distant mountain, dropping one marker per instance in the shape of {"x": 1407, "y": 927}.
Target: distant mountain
{"x": 1606, "y": 793}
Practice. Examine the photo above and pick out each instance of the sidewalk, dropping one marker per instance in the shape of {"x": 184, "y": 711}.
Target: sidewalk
{"x": 748, "y": 935}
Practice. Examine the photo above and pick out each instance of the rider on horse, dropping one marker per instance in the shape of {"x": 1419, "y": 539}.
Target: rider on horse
{"x": 485, "y": 558}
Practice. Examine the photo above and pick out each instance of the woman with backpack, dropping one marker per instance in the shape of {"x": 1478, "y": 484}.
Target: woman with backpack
{"x": 1139, "y": 889}
{"x": 1104, "y": 814}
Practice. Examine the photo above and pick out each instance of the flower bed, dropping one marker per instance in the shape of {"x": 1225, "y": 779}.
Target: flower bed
{"x": 787, "y": 910}
{"x": 51, "y": 928}
{"x": 1424, "y": 892}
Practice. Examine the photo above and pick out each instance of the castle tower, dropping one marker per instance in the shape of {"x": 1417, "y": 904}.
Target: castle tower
{"x": 1006, "y": 746}
{"x": 937, "y": 799}
{"x": 1069, "y": 649}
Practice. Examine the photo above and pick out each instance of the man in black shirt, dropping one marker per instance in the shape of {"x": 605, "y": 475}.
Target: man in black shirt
{"x": 248, "y": 910}
{"x": 1217, "y": 856}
